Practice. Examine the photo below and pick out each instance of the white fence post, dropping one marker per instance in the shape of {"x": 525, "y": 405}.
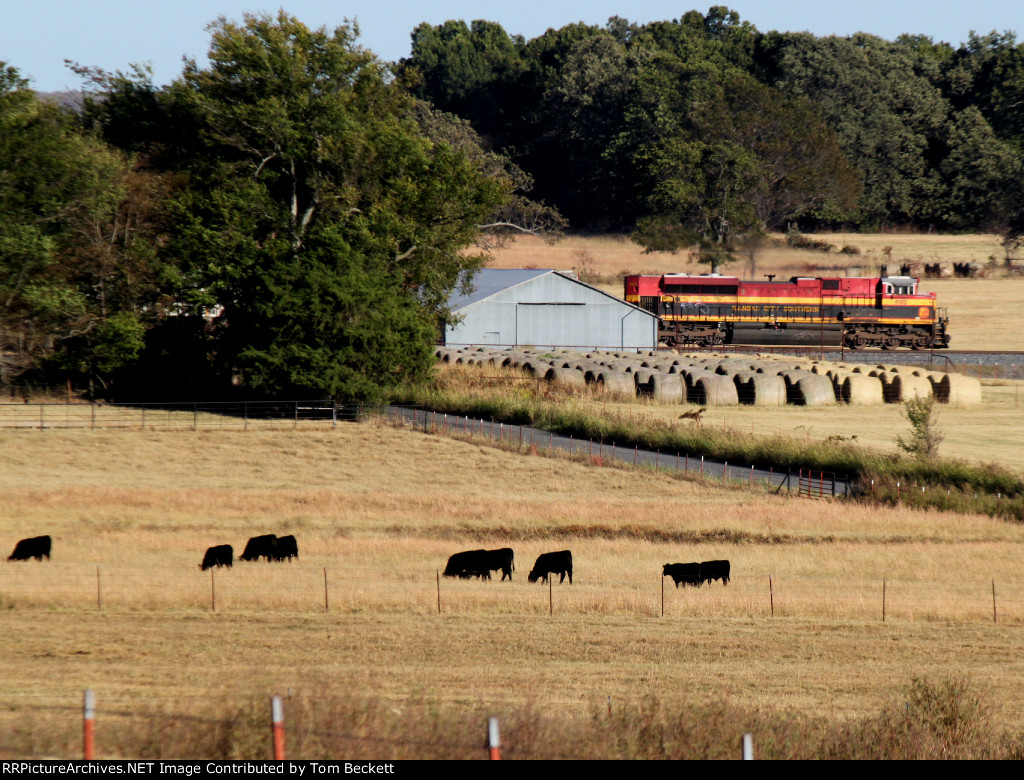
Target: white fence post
{"x": 493, "y": 741}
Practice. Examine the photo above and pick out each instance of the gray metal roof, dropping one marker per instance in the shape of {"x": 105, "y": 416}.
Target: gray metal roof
{"x": 491, "y": 281}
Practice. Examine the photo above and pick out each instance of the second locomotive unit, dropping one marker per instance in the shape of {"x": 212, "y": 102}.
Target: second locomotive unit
{"x": 858, "y": 312}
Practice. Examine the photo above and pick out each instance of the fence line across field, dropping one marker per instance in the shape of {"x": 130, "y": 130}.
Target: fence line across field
{"x": 314, "y": 414}
{"x": 280, "y": 729}
{"x": 323, "y": 589}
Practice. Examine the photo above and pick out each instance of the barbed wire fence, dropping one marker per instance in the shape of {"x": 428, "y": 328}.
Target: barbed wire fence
{"x": 291, "y": 587}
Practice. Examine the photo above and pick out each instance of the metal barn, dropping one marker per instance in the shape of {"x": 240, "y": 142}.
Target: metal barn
{"x": 545, "y": 308}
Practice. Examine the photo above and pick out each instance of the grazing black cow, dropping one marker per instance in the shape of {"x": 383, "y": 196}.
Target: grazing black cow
{"x": 260, "y": 547}
{"x": 37, "y": 547}
{"x": 480, "y": 563}
{"x": 683, "y": 573}
{"x": 552, "y": 563}
{"x": 714, "y": 570}
{"x": 221, "y": 555}
{"x": 287, "y": 548}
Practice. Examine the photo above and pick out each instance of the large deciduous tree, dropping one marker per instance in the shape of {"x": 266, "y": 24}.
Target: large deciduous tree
{"x": 318, "y": 214}
{"x": 78, "y": 272}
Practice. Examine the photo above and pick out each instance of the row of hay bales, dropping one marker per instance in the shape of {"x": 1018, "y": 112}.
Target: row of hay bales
{"x": 721, "y": 380}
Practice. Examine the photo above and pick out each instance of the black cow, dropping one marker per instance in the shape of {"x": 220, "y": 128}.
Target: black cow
{"x": 714, "y": 570}
{"x": 260, "y": 547}
{"x": 221, "y": 555}
{"x": 287, "y": 548}
{"x": 552, "y": 563}
{"x": 480, "y": 563}
{"x": 683, "y": 573}
{"x": 37, "y": 547}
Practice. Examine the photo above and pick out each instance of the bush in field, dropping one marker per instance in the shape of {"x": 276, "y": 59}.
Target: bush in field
{"x": 925, "y": 437}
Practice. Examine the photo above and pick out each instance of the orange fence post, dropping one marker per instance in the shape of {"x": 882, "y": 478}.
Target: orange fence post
{"x": 277, "y": 718}
{"x": 493, "y": 742}
{"x": 88, "y": 724}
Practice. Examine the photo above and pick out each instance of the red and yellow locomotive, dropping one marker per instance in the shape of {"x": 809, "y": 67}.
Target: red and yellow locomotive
{"x": 886, "y": 312}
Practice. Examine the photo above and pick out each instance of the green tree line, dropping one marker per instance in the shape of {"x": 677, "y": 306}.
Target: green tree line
{"x": 293, "y": 216}
{"x": 288, "y": 219}
{"x": 705, "y": 130}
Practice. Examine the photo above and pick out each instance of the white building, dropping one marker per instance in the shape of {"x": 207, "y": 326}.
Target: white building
{"x": 545, "y": 308}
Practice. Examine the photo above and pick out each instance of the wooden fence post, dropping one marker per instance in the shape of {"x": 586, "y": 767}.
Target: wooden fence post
{"x": 993, "y": 601}
{"x": 277, "y": 720}
{"x": 438, "y": 591}
{"x": 326, "y": 604}
{"x": 88, "y": 724}
{"x": 771, "y": 595}
{"x": 493, "y": 740}
{"x": 551, "y": 603}
{"x": 663, "y": 595}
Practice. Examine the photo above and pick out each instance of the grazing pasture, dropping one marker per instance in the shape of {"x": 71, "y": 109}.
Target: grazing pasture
{"x": 377, "y": 511}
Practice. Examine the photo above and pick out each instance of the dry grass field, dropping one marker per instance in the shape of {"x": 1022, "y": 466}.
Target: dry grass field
{"x": 984, "y": 313}
{"x": 616, "y": 255}
{"x": 991, "y": 432}
{"x": 380, "y": 509}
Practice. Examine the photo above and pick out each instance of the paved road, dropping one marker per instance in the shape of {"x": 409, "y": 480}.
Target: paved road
{"x": 816, "y": 482}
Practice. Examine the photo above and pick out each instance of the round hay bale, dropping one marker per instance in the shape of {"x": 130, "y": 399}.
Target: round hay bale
{"x": 793, "y": 375}
{"x": 861, "y": 389}
{"x": 743, "y": 375}
{"x": 690, "y": 374}
{"x": 642, "y": 376}
{"x": 617, "y": 383}
{"x": 957, "y": 389}
{"x": 730, "y": 367}
{"x": 565, "y": 377}
{"x": 712, "y": 390}
{"x": 642, "y": 381}
{"x": 898, "y": 388}
{"x": 766, "y": 390}
{"x": 744, "y": 386}
{"x": 621, "y": 365}
{"x": 669, "y": 388}
{"x": 812, "y": 390}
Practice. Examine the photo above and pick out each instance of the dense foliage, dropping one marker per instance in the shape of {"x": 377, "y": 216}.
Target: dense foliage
{"x": 705, "y": 130}
{"x": 293, "y": 216}
{"x": 312, "y": 230}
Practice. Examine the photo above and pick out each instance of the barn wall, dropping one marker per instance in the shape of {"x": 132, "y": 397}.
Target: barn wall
{"x": 554, "y": 311}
